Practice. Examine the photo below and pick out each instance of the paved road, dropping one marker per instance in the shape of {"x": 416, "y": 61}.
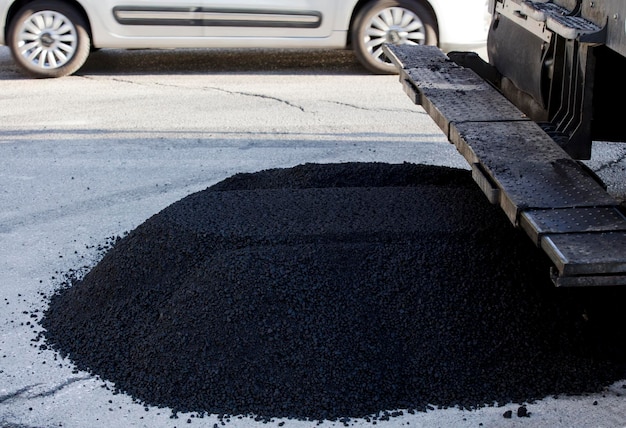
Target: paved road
{"x": 92, "y": 156}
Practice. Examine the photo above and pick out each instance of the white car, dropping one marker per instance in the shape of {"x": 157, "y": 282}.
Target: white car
{"x": 53, "y": 38}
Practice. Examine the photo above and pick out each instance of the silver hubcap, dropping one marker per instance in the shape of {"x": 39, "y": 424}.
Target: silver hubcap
{"x": 47, "y": 39}
{"x": 394, "y": 25}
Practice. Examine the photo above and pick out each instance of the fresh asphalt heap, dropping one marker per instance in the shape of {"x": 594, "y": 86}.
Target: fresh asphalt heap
{"x": 335, "y": 291}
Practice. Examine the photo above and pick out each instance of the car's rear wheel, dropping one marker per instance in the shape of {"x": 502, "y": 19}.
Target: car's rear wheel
{"x": 49, "y": 39}
{"x": 390, "y": 21}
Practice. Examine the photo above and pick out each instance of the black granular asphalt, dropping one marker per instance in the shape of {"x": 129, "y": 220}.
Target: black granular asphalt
{"x": 335, "y": 291}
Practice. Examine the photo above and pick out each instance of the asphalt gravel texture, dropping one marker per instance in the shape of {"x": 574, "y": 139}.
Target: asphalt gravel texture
{"x": 334, "y": 291}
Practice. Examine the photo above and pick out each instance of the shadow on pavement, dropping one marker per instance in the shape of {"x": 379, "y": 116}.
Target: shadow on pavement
{"x": 203, "y": 61}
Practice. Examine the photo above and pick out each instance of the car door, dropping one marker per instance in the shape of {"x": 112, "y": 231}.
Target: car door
{"x": 273, "y": 19}
{"x": 157, "y": 22}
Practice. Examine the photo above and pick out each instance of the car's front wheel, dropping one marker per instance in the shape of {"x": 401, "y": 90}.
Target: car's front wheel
{"x": 49, "y": 39}
{"x": 390, "y": 21}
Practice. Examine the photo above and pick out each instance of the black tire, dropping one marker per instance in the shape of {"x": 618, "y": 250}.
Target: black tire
{"x": 378, "y": 17}
{"x": 54, "y": 51}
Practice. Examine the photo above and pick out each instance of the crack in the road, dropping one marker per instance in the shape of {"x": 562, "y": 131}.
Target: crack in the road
{"x": 280, "y": 100}
{"x": 213, "y": 88}
{"x": 15, "y": 394}
{"x": 23, "y": 392}
{"x": 404, "y": 110}
{"x": 612, "y": 163}
{"x": 267, "y": 97}
{"x": 59, "y": 387}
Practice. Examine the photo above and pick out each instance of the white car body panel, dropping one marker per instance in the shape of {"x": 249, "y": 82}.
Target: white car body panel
{"x": 332, "y": 31}
{"x": 106, "y": 29}
{"x": 454, "y": 31}
{"x": 291, "y": 23}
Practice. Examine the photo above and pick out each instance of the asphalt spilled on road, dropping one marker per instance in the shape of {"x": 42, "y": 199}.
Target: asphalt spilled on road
{"x": 334, "y": 291}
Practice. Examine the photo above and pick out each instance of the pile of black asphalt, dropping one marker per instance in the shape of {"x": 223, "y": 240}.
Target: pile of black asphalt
{"x": 331, "y": 291}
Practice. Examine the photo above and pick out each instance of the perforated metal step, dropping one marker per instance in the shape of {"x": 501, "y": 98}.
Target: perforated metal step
{"x": 542, "y": 15}
{"x": 562, "y": 208}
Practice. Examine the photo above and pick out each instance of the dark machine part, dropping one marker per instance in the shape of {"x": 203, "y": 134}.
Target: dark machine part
{"x": 563, "y": 209}
{"x": 563, "y": 63}
{"x": 554, "y": 83}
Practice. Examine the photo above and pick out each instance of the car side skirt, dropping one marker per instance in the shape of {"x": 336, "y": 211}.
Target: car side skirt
{"x": 209, "y": 17}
